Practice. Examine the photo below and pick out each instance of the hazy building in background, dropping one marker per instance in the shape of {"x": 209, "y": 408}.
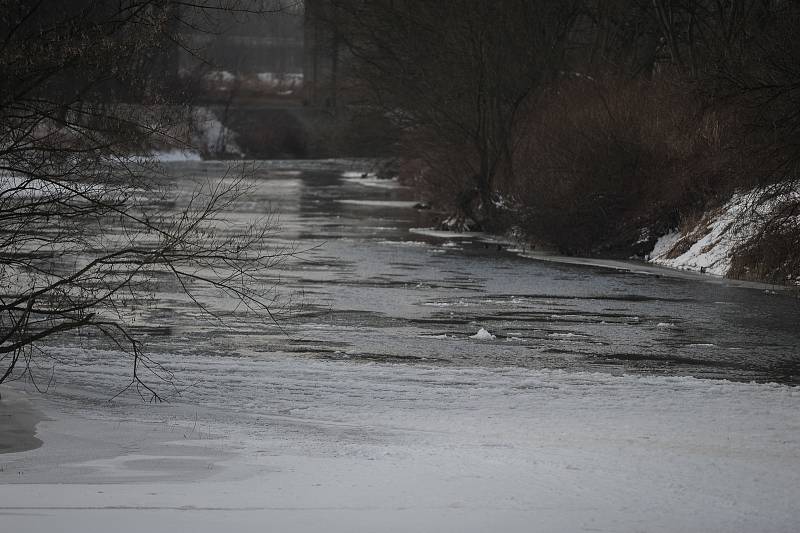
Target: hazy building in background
{"x": 241, "y": 44}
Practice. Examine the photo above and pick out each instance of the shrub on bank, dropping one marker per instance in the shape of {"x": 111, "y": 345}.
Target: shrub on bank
{"x": 442, "y": 174}
{"x": 601, "y": 160}
{"x": 607, "y": 166}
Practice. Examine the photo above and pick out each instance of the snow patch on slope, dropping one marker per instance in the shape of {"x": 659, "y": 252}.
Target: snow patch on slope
{"x": 212, "y": 136}
{"x": 710, "y": 245}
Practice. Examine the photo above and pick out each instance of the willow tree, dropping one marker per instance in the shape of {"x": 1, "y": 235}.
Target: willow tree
{"x": 458, "y": 71}
{"x": 83, "y": 236}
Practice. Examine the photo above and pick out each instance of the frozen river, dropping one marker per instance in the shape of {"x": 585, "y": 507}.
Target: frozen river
{"x": 598, "y": 399}
{"x": 375, "y": 291}
{"x": 372, "y": 287}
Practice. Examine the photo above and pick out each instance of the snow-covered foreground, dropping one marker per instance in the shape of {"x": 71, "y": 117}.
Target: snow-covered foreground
{"x": 314, "y": 445}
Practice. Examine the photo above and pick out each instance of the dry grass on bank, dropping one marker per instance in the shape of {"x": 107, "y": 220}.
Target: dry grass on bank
{"x": 772, "y": 254}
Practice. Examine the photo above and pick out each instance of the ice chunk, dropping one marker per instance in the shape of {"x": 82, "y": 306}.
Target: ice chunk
{"x": 356, "y": 174}
{"x": 482, "y": 335}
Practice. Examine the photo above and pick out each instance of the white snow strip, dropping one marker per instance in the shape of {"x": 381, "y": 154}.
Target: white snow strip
{"x": 403, "y": 243}
{"x": 357, "y": 174}
{"x": 376, "y": 183}
{"x": 280, "y": 79}
{"x": 220, "y": 75}
{"x": 442, "y": 234}
{"x": 379, "y": 203}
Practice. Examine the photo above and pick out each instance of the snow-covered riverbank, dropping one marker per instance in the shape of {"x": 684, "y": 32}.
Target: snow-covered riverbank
{"x": 710, "y": 245}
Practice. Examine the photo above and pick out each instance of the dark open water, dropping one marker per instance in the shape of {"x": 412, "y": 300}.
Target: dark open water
{"x": 372, "y": 290}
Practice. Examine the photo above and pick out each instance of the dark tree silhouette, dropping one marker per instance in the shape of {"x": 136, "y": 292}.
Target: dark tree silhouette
{"x": 83, "y": 233}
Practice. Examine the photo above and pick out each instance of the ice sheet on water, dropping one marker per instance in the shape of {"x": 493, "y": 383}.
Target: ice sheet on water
{"x": 21, "y": 187}
{"x": 176, "y": 156}
{"x": 378, "y": 203}
{"x": 442, "y": 234}
{"x": 408, "y": 439}
{"x": 372, "y": 181}
{"x": 357, "y": 174}
{"x": 402, "y": 243}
